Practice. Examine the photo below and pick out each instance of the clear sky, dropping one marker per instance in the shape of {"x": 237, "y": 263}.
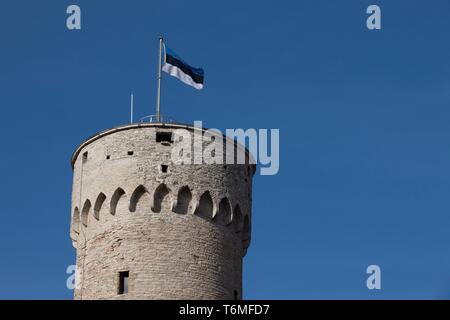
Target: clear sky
{"x": 364, "y": 119}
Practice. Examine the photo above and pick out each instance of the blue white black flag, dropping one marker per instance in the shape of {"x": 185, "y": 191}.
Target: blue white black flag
{"x": 178, "y": 68}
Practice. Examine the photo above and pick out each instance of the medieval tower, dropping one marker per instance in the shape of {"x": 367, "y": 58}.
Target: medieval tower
{"x": 146, "y": 228}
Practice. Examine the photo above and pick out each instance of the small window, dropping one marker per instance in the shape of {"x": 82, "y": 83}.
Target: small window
{"x": 164, "y": 168}
{"x": 236, "y": 295}
{"x": 130, "y": 153}
{"x": 108, "y": 157}
{"x": 85, "y": 156}
{"x": 164, "y": 137}
{"x": 123, "y": 282}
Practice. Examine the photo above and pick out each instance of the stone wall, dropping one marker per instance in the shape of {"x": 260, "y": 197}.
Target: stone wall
{"x": 180, "y": 231}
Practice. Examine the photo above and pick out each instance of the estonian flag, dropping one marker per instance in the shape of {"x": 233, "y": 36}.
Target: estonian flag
{"x": 176, "y": 67}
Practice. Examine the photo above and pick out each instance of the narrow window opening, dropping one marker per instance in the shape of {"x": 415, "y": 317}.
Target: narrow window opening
{"x": 123, "y": 282}
{"x": 164, "y": 168}
{"x": 130, "y": 153}
{"x": 108, "y": 157}
{"x": 236, "y": 295}
{"x": 164, "y": 137}
{"x": 85, "y": 156}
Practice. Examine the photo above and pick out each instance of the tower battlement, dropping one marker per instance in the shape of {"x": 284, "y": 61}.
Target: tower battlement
{"x": 179, "y": 230}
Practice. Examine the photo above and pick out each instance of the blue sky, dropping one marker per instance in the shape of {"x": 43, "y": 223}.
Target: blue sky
{"x": 364, "y": 119}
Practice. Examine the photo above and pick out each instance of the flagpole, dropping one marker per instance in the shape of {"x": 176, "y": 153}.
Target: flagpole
{"x": 131, "y": 107}
{"x": 158, "y": 94}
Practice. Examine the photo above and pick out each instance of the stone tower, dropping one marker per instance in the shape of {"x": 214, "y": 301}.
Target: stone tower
{"x": 146, "y": 228}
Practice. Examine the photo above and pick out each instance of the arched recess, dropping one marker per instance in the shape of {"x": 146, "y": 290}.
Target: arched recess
{"x": 183, "y": 200}
{"x": 237, "y": 219}
{"x": 224, "y": 214}
{"x": 140, "y": 200}
{"x": 75, "y": 223}
{"x": 161, "y": 199}
{"x": 246, "y": 231}
{"x": 117, "y": 195}
{"x": 98, "y": 205}
{"x": 205, "y": 206}
{"x": 85, "y": 212}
